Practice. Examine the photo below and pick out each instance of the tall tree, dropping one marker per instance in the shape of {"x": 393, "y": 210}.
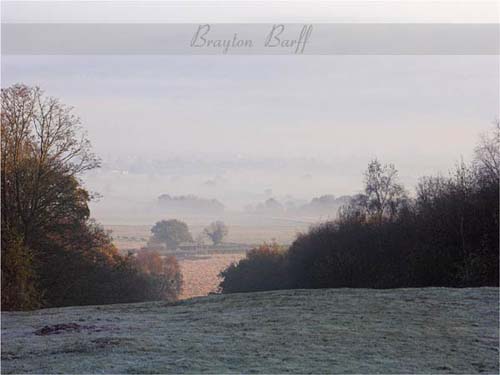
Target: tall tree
{"x": 384, "y": 195}
{"x": 44, "y": 149}
{"x": 52, "y": 254}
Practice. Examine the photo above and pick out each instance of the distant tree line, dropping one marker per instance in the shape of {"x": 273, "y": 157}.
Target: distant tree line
{"x": 190, "y": 204}
{"x": 447, "y": 235}
{"x": 52, "y": 253}
{"x": 323, "y": 205}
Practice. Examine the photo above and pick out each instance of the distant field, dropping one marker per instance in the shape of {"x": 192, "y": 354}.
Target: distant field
{"x": 127, "y": 237}
{"x": 200, "y": 275}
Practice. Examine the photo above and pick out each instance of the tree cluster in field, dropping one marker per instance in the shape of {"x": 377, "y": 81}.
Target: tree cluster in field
{"x": 173, "y": 233}
{"x": 52, "y": 253}
{"x": 447, "y": 235}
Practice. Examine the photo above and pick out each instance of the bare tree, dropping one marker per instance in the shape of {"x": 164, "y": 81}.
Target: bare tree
{"x": 216, "y": 231}
{"x": 384, "y": 195}
{"x": 487, "y": 154}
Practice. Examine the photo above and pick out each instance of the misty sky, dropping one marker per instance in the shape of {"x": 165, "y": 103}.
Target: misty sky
{"x": 230, "y": 127}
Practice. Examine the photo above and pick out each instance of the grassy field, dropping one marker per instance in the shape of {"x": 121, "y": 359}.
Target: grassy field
{"x": 431, "y": 330}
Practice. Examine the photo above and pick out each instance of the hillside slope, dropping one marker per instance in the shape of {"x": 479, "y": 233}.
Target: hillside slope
{"x": 330, "y": 330}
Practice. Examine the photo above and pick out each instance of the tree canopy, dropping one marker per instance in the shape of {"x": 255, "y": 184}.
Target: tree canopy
{"x": 171, "y": 233}
{"x": 52, "y": 253}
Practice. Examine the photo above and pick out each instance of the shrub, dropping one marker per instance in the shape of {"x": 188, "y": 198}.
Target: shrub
{"x": 165, "y": 270}
{"x": 263, "y": 268}
{"x": 88, "y": 270}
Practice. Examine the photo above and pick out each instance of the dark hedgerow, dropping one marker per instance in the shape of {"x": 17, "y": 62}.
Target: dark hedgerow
{"x": 447, "y": 235}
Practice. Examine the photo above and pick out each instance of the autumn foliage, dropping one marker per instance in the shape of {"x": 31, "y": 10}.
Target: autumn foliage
{"x": 52, "y": 253}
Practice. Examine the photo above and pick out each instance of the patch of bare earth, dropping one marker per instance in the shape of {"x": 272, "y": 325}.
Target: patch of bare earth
{"x": 433, "y": 330}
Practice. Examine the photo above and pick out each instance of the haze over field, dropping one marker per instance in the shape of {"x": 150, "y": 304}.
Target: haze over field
{"x": 242, "y": 129}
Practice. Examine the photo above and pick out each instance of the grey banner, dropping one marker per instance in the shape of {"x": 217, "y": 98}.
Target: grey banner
{"x": 250, "y": 39}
